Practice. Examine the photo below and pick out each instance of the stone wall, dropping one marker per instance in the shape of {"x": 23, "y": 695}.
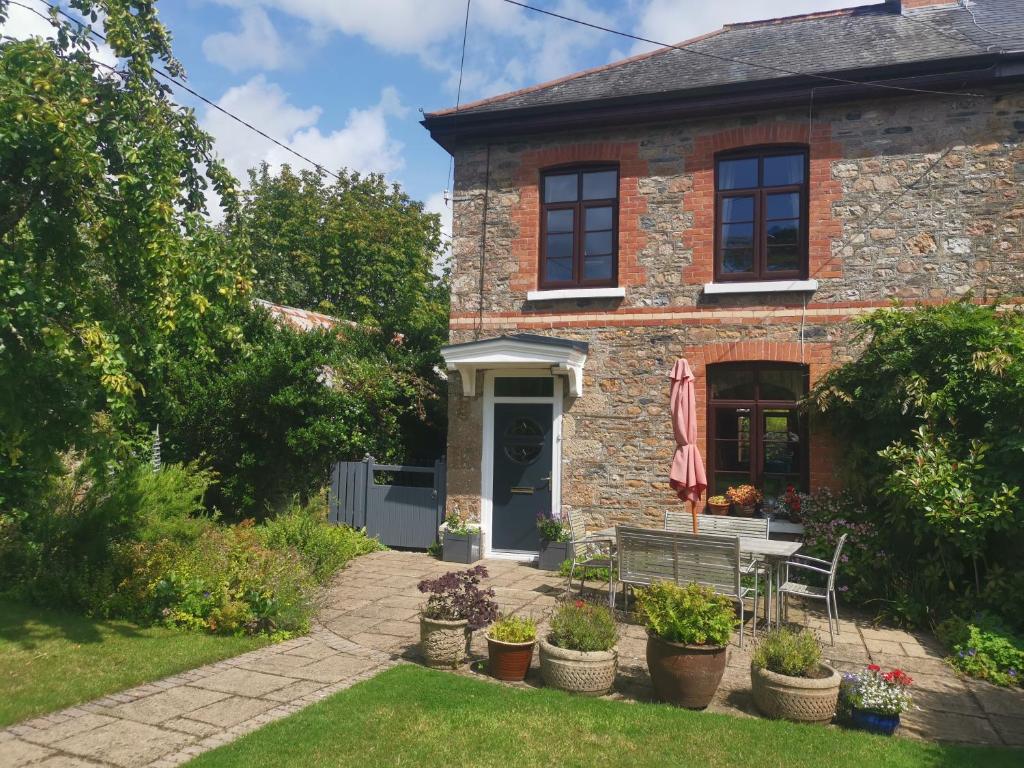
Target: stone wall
{"x": 915, "y": 199}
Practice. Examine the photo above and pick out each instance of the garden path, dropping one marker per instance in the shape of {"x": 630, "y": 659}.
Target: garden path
{"x": 368, "y": 622}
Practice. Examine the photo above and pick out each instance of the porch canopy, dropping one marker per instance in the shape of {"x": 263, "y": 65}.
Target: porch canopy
{"x": 565, "y": 357}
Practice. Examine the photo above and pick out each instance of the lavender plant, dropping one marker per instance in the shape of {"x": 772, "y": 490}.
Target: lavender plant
{"x": 457, "y": 596}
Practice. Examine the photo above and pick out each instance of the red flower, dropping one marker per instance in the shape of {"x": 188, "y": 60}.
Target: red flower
{"x": 874, "y": 668}
{"x": 580, "y": 603}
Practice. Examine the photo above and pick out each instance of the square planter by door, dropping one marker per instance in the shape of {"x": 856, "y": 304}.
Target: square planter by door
{"x": 464, "y": 548}
{"x": 553, "y": 554}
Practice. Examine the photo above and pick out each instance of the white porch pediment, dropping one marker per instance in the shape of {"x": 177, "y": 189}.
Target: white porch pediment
{"x": 560, "y": 357}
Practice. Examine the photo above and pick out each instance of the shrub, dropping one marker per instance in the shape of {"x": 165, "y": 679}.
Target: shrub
{"x": 457, "y": 525}
{"x": 583, "y": 626}
{"x": 984, "y": 648}
{"x": 692, "y": 614}
{"x": 550, "y": 528}
{"x": 457, "y": 596}
{"x": 324, "y": 549}
{"x": 785, "y": 652}
{"x": 513, "y": 629}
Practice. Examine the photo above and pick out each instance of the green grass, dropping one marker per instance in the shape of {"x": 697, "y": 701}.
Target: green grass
{"x": 51, "y": 659}
{"x": 410, "y": 716}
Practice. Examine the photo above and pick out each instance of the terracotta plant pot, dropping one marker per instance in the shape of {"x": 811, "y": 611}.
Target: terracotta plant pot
{"x": 685, "y": 675}
{"x": 800, "y": 699}
{"x": 591, "y": 673}
{"x": 509, "y": 661}
{"x": 718, "y": 509}
{"x": 444, "y": 643}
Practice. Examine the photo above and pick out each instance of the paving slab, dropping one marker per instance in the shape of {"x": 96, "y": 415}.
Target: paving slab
{"x": 15, "y": 753}
{"x": 243, "y": 682}
{"x": 333, "y": 668}
{"x": 167, "y": 705}
{"x": 232, "y": 711}
{"x": 125, "y": 743}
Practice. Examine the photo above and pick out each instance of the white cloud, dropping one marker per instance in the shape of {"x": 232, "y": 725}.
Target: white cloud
{"x": 673, "y": 21}
{"x": 363, "y": 143}
{"x": 441, "y": 204}
{"x": 255, "y": 46}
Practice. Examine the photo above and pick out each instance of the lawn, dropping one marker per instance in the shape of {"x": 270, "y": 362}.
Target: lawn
{"x": 411, "y": 716}
{"x": 50, "y": 659}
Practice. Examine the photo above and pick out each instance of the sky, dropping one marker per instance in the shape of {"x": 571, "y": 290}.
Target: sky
{"x": 343, "y": 81}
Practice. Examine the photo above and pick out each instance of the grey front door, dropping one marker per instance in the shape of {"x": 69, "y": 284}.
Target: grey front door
{"x": 522, "y": 474}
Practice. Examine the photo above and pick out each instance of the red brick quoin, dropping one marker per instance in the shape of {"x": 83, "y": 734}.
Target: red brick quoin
{"x": 632, "y": 205}
{"x": 823, "y": 191}
{"x": 817, "y": 357}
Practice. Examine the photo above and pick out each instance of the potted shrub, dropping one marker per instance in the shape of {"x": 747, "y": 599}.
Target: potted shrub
{"x": 744, "y": 499}
{"x": 554, "y": 542}
{"x": 460, "y": 540}
{"x": 688, "y": 631}
{"x": 873, "y": 701}
{"x": 510, "y": 642}
{"x": 456, "y": 606}
{"x": 718, "y": 505}
{"x": 579, "y": 653}
{"x": 788, "y": 679}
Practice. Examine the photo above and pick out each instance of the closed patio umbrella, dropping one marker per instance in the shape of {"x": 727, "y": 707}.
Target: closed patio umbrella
{"x": 687, "y": 477}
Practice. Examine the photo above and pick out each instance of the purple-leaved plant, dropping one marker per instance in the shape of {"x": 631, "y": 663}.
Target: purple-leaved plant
{"x": 457, "y": 595}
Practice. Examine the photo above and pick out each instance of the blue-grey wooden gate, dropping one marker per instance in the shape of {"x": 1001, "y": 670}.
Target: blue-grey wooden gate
{"x": 397, "y": 515}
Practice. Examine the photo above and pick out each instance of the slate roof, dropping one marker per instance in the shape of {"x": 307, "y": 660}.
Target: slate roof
{"x": 865, "y": 37}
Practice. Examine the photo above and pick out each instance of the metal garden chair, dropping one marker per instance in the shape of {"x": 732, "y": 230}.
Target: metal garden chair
{"x": 589, "y": 551}
{"x": 826, "y": 593}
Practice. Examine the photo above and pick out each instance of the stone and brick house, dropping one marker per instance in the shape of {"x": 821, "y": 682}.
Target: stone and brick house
{"x": 712, "y": 204}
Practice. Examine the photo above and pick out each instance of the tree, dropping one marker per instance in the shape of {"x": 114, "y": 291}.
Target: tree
{"x": 107, "y": 257}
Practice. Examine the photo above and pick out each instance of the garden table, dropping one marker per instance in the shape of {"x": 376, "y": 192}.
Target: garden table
{"x": 770, "y": 551}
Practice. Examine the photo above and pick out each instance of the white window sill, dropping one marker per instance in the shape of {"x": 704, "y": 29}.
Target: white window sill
{"x": 577, "y": 293}
{"x": 766, "y": 286}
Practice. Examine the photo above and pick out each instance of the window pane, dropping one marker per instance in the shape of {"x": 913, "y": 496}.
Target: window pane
{"x": 783, "y": 258}
{"x": 560, "y": 189}
{"x": 782, "y": 383}
{"x": 732, "y": 455}
{"x": 560, "y": 221}
{"x": 786, "y": 231}
{"x": 785, "y": 169}
{"x": 597, "y": 267}
{"x": 738, "y": 260}
{"x": 559, "y": 246}
{"x": 775, "y": 485}
{"x": 723, "y": 480}
{"x": 737, "y": 174}
{"x": 737, "y": 209}
{"x": 524, "y": 386}
{"x": 737, "y": 235}
{"x": 732, "y": 424}
{"x": 597, "y": 243}
{"x": 600, "y": 185}
{"x": 598, "y": 218}
{"x": 559, "y": 270}
{"x": 784, "y": 206}
{"x": 732, "y": 384}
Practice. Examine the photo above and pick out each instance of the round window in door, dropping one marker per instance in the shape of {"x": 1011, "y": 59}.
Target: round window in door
{"x": 524, "y": 440}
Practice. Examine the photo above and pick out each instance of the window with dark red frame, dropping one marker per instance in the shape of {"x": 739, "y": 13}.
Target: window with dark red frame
{"x": 579, "y": 227}
{"x": 756, "y": 434}
{"x": 761, "y": 214}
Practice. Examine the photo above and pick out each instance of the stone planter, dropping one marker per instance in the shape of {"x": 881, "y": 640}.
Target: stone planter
{"x": 461, "y": 548}
{"x": 717, "y": 509}
{"x": 801, "y": 699}
{"x": 553, "y": 554}
{"x": 872, "y": 722}
{"x": 444, "y": 643}
{"x": 591, "y": 673}
{"x": 685, "y": 675}
{"x": 509, "y": 661}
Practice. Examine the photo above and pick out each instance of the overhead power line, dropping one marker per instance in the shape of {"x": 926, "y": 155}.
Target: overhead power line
{"x": 731, "y": 60}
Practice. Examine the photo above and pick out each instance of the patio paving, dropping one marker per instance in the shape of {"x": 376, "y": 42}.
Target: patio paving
{"x": 369, "y": 621}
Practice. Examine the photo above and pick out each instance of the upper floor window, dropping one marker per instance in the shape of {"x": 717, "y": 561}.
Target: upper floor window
{"x": 579, "y": 227}
{"x": 761, "y": 214}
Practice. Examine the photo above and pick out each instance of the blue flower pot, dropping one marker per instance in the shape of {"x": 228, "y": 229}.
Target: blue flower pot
{"x": 872, "y": 722}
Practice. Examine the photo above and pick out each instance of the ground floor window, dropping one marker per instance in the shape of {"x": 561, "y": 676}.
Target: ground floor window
{"x": 755, "y": 432}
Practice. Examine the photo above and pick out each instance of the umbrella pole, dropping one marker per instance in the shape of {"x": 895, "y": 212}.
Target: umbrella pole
{"x": 693, "y": 511}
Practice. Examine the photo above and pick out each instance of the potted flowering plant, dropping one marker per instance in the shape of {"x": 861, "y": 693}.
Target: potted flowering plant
{"x": 460, "y": 540}
{"x": 791, "y": 503}
{"x": 873, "y": 700}
{"x": 789, "y": 680}
{"x": 510, "y": 642}
{"x": 688, "y": 631}
{"x": 579, "y": 653}
{"x": 744, "y": 499}
{"x": 456, "y": 606}
{"x": 554, "y": 542}
{"x": 718, "y": 505}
